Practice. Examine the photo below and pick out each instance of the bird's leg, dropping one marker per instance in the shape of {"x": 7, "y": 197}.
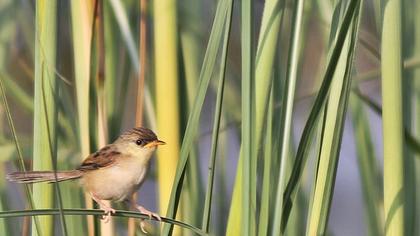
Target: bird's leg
{"x": 147, "y": 212}
{"x": 107, "y": 209}
{"x": 143, "y": 210}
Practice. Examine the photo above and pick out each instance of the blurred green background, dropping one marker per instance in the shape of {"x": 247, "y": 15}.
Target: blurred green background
{"x": 281, "y": 117}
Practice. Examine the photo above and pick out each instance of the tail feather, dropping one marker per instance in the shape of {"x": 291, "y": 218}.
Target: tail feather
{"x": 43, "y": 176}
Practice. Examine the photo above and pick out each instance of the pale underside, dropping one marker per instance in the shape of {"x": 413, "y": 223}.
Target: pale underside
{"x": 119, "y": 180}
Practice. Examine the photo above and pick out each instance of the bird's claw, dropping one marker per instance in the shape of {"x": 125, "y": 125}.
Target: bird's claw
{"x": 148, "y": 213}
{"x": 142, "y": 225}
{"x": 108, "y": 210}
{"x": 106, "y": 217}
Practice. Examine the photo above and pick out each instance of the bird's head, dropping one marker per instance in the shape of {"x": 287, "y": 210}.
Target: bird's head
{"x": 139, "y": 141}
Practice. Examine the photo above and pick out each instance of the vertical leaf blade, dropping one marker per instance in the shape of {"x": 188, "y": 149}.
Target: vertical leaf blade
{"x": 45, "y": 112}
{"x": 367, "y": 167}
{"x": 216, "y": 124}
{"x": 304, "y": 144}
{"x": 286, "y": 121}
{"x": 392, "y": 118}
{"x": 332, "y": 133}
{"x": 249, "y": 162}
{"x": 193, "y": 120}
{"x": 167, "y": 94}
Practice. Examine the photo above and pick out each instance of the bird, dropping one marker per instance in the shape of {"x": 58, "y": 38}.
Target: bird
{"x": 114, "y": 172}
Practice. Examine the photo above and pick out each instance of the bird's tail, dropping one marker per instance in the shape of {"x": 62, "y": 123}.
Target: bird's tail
{"x": 43, "y": 176}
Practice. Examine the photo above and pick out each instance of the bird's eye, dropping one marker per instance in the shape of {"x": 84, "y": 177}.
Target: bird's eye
{"x": 139, "y": 142}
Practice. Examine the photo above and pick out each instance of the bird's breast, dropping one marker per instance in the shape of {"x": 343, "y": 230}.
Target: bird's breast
{"x": 116, "y": 182}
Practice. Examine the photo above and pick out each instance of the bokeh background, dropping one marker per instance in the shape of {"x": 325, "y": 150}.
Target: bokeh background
{"x": 77, "y": 73}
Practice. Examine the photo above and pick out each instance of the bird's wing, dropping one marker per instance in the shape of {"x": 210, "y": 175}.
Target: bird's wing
{"x": 103, "y": 158}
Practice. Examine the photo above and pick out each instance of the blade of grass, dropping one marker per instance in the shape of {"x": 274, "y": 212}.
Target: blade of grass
{"x": 332, "y": 132}
{"x": 278, "y": 90}
{"x": 54, "y": 162}
{"x": 4, "y": 225}
{"x": 411, "y": 141}
{"x": 416, "y": 107}
{"x": 19, "y": 95}
{"x": 205, "y": 75}
{"x": 333, "y": 20}
{"x": 84, "y": 212}
{"x": 377, "y": 11}
{"x": 216, "y": 123}
{"x": 317, "y": 150}
{"x": 107, "y": 228}
{"x": 45, "y": 55}
{"x": 369, "y": 75}
{"x": 191, "y": 25}
{"x": 221, "y": 202}
{"x": 410, "y": 183}
{"x": 234, "y": 224}
{"x": 128, "y": 38}
{"x": 20, "y": 163}
{"x": 394, "y": 204}
{"x": 248, "y": 98}
{"x": 267, "y": 182}
{"x": 113, "y": 61}
{"x": 301, "y": 156}
{"x": 190, "y": 36}
{"x": 167, "y": 95}
{"x": 368, "y": 168}
{"x": 122, "y": 19}
{"x": 267, "y": 44}
{"x": 131, "y": 228}
{"x": 82, "y": 34}
{"x": 286, "y": 121}
{"x": 142, "y": 61}
{"x": 265, "y": 55}
{"x": 82, "y": 17}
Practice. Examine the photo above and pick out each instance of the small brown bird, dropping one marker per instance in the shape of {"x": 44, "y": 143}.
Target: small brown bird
{"x": 113, "y": 173}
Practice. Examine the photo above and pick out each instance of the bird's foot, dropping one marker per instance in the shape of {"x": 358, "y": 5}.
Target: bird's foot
{"x": 103, "y": 205}
{"x": 108, "y": 212}
{"x": 150, "y": 214}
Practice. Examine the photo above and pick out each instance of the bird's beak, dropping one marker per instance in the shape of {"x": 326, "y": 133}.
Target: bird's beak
{"x": 155, "y": 143}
